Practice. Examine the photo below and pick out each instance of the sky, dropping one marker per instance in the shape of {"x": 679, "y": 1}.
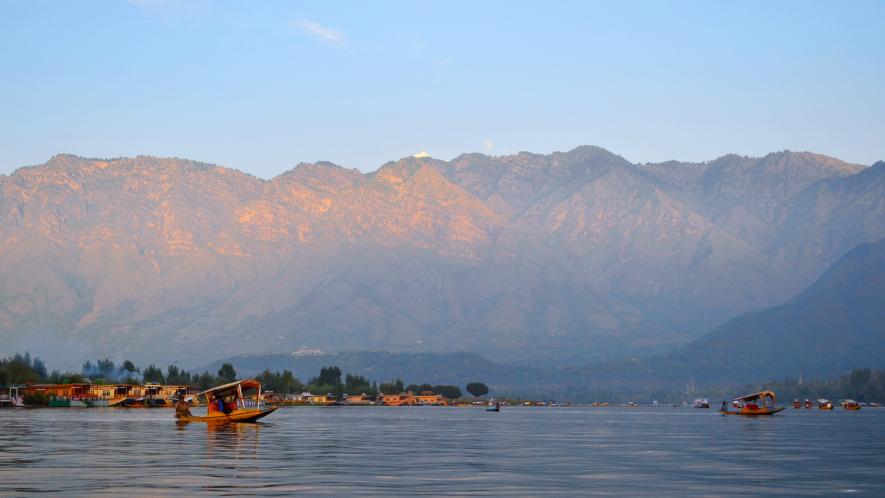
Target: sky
{"x": 262, "y": 86}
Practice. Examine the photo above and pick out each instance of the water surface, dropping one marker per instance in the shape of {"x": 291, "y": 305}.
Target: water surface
{"x": 444, "y": 451}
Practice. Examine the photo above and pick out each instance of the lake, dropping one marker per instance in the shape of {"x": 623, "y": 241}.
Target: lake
{"x": 444, "y": 451}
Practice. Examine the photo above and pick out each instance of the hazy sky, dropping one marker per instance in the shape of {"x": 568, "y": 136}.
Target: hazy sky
{"x": 261, "y": 86}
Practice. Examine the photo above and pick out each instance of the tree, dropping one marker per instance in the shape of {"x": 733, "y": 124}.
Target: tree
{"x": 106, "y": 368}
{"x": 153, "y": 374}
{"x": 477, "y": 389}
{"x": 129, "y": 367}
{"x": 329, "y": 376}
{"x": 227, "y": 373}
{"x": 419, "y": 388}
{"x": 356, "y": 384}
{"x": 394, "y": 387}
{"x": 175, "y": 375}
{"x": 451, "y": 392}
{"x": 205, "y": 381}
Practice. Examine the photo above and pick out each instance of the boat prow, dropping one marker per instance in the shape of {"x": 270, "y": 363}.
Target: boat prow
{"x": 235, "y": 416}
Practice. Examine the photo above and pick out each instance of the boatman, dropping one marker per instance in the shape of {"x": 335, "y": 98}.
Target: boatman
{"x": 181, "y": 408}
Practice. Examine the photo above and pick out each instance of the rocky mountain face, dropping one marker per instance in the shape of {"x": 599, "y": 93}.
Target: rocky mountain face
{"x": 566, "y": 258}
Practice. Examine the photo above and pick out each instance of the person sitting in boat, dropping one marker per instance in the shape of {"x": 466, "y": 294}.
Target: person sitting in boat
{"x": 230, "y": 406}
{"x": 181, "y": 408}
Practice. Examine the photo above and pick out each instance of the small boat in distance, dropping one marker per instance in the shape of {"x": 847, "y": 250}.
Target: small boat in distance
{"x": 808, "y": 404}
{"x": 797, "y": 403}
{"x": 702, "y": 403}
{"x": 494, "y": 406}
{"x": 752, "y": 405}
{"x": 824, "y": 404}
{"x": 228, "y": 403}
{"x": 850, "y": 404}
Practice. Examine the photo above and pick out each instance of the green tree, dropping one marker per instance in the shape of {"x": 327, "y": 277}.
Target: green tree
{"x": 477, "y": 389}
{"x": 451, "y": 392}
{"x": 419, "y": 388}
{"x": 394, "y": 387}
{"x": 329, "y": 376}
{"x": 153, "y": 374}
{"x": 226, "y": 373}
{"x": 105, "y": 368}
{"x": 205, "y": 381}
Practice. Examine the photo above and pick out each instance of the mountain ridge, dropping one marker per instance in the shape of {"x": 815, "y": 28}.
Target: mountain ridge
{"x": 571, "y": 256}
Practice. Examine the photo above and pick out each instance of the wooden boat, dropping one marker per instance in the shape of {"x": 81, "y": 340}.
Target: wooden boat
{"x": 752, "y": 405}
{"x": 850, "y": 404}
{"x": 228, "y": 403}
{"x": 797, "y": 404}
{"x": 824, "y": 404}
{"x": 808, "y": 404}
{"x": 701, "y": 403}
{"x": 493, "y": 407}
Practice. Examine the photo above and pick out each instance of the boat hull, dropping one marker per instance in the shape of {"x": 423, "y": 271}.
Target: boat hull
{"x": 753, "y": 413}
{"x": 237, "y": 416}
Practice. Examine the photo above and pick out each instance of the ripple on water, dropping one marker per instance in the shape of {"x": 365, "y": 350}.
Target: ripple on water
{"x": 443, "y": 451}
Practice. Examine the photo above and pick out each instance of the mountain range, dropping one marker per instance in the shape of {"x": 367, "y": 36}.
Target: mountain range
{"x": 552, "y": 260}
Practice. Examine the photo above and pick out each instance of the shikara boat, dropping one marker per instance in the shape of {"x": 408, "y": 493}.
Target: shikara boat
{"x": 701, "y": 403}
{"x": 797, "y": 403}
{"x": 235, "y": 402}
{"x": 808, "y": 404}
{"x": 752, "y": 405}
{"x": 850, "y": 404}
{"x": 824, "y": 404}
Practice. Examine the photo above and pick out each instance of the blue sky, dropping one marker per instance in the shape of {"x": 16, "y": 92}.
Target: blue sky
{"x": 261, "y": 86}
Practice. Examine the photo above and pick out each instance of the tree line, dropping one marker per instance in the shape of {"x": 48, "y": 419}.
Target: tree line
{"x": 23, "y": 369}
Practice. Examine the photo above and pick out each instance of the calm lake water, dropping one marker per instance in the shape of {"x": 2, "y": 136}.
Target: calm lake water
{"x": 444, "y": 451}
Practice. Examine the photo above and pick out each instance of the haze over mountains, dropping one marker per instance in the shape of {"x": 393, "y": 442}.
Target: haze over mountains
{"x": 568, "y": 258}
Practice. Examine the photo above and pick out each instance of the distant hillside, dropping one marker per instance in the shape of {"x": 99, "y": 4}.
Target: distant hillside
{"x": 550, "y": 260}
{"x": 836, "y": 324}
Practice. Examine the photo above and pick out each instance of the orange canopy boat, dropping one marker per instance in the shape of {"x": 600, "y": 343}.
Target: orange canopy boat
{"x": 850, "y": 404}
{"x": 227, "y": 403}
{"x": 751, "y": 405}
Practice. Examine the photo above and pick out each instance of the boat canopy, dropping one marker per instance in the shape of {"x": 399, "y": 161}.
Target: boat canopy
{"x": 756, "y": 396}
{"x": 233, "y": 387}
